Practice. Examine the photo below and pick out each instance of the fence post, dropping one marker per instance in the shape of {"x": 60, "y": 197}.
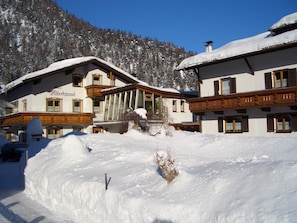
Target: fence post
{"x": 106, "y": 181}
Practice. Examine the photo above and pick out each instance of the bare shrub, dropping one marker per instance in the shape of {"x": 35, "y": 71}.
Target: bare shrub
{"x": 166, "y": 166}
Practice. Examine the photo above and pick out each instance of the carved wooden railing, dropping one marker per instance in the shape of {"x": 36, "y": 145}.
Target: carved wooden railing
{"x": 256, "y": 99}
{"x": 48, "y": 118}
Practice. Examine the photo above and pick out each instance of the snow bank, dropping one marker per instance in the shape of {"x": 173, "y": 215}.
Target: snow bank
{"x": 223, "y": 178}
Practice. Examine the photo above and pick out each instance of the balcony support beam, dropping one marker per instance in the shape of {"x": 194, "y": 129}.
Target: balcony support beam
{"x": 249, "y": 66}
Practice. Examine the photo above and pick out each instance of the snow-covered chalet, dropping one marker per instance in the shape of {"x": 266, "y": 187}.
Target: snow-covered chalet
{"x": 90, "y": 95}
{"x": 249, "y": 85}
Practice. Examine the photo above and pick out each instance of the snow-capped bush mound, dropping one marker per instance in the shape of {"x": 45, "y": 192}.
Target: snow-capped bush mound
{"x": 74, "y": 149}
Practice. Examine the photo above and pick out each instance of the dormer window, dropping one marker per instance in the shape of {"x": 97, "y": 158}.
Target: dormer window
{"x": 77, "y": 80}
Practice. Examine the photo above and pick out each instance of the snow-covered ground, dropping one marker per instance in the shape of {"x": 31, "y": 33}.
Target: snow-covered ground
{"x": 222, "y": 178}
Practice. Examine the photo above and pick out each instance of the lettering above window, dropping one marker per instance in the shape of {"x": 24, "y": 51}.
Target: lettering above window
{"x": 281, "y": 79}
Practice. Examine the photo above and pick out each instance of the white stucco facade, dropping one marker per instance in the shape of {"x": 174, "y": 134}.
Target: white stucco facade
{"x": 69, "y": 97}
{"x": 248, "y": 86}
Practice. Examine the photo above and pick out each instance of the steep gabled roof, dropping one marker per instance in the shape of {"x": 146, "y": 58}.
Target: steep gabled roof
{"x": 261, "y": 43}
{"x": 70, "y": 64}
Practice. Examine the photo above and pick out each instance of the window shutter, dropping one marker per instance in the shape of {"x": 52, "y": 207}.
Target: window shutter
{"x": 270, "y": 123}
{"x": 294, "y": 122}
{"x": 245, "y": 123}
{"x": 216, "y": 87}
{"x": 292, "y": 78}
{"x": 220, "y": 124}
{"x": 232, "y": 85}
{"x": 268, "y": 81}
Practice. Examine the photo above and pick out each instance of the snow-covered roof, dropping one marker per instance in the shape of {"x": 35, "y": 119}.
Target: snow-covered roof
{"x": 258, "y": 43}
{"x": 55, "y": 67}
{"x": 285, "y": 21}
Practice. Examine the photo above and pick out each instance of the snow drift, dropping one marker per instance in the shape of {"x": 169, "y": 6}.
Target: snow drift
{"x": 222, "y": 178}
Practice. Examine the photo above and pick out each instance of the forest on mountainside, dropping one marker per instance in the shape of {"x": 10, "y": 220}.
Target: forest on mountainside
{"x": 36, "y": 33}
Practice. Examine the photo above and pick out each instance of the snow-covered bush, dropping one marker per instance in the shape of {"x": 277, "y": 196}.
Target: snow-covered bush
{"x": 166, "y": 166}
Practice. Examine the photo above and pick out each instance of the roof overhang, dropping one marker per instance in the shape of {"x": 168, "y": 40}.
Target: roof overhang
{"x": 241, "y": 56}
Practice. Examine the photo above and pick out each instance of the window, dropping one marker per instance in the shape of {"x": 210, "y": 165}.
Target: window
{"x": 281, "y": 79}
{"x": 233, "y": 124}
{"x": 228, "y": 86}
{"x": 182, "y": 106}
{"x": 53, "y": 105}
{"x": 97, "y": 106}
{"x": 225, "y": 86}
{"x": 97, "y": 79}
{"x": 76, "y": 128}
{"x": 77, "y": 105}
{"x": 53, "y": 132}
{"x": 283, "y": 123}
{"x": 174, "y": 106}
{"x": 77, "y": 80}
{"x": 24, "y": 105}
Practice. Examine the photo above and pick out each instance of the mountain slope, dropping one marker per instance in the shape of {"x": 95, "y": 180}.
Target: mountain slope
{"x": 36, "y": 33}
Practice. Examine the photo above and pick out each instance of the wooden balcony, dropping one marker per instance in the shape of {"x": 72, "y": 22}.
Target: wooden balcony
{"x": 239, "y": 101}
{"x": 47, "y": 118}
{"x": 96, "y": 90}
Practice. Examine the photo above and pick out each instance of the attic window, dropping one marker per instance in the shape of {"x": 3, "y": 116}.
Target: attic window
{"x": 77, "y": 80}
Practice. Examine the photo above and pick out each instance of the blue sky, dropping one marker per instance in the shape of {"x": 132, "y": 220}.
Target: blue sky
{"x": 187, "y": 23}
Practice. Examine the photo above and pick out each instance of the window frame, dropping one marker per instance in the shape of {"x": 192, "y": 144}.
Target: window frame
{"x": 174, "y": 105}
{"x": 74, "y": 101}
{"x": 100, "y": 103}
{"x": 99, "y": 76}
{"x": 24, "y": 105}
{"x": 79, "y": 77}
{"x": 285, "y": 118}
{"x": 58, "y": 132}
{"x": 218, "y": 86}
{"x": 282, "y": 83}
{"x": 235, "y": 121}
{"x": 182, "y": 106}
{"x": 54, "y": 106}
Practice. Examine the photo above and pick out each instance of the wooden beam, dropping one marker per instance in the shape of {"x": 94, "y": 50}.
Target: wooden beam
{"x": 249, "y": 66}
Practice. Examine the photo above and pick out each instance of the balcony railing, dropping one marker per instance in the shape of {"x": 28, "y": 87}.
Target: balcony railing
{"x": 96, "y": 90}
{"x": 256, "y": 99}
{"x": 48, "y": 118}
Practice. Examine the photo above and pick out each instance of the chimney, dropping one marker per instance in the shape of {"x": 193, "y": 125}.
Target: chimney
{"x": 208, "y": 46}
